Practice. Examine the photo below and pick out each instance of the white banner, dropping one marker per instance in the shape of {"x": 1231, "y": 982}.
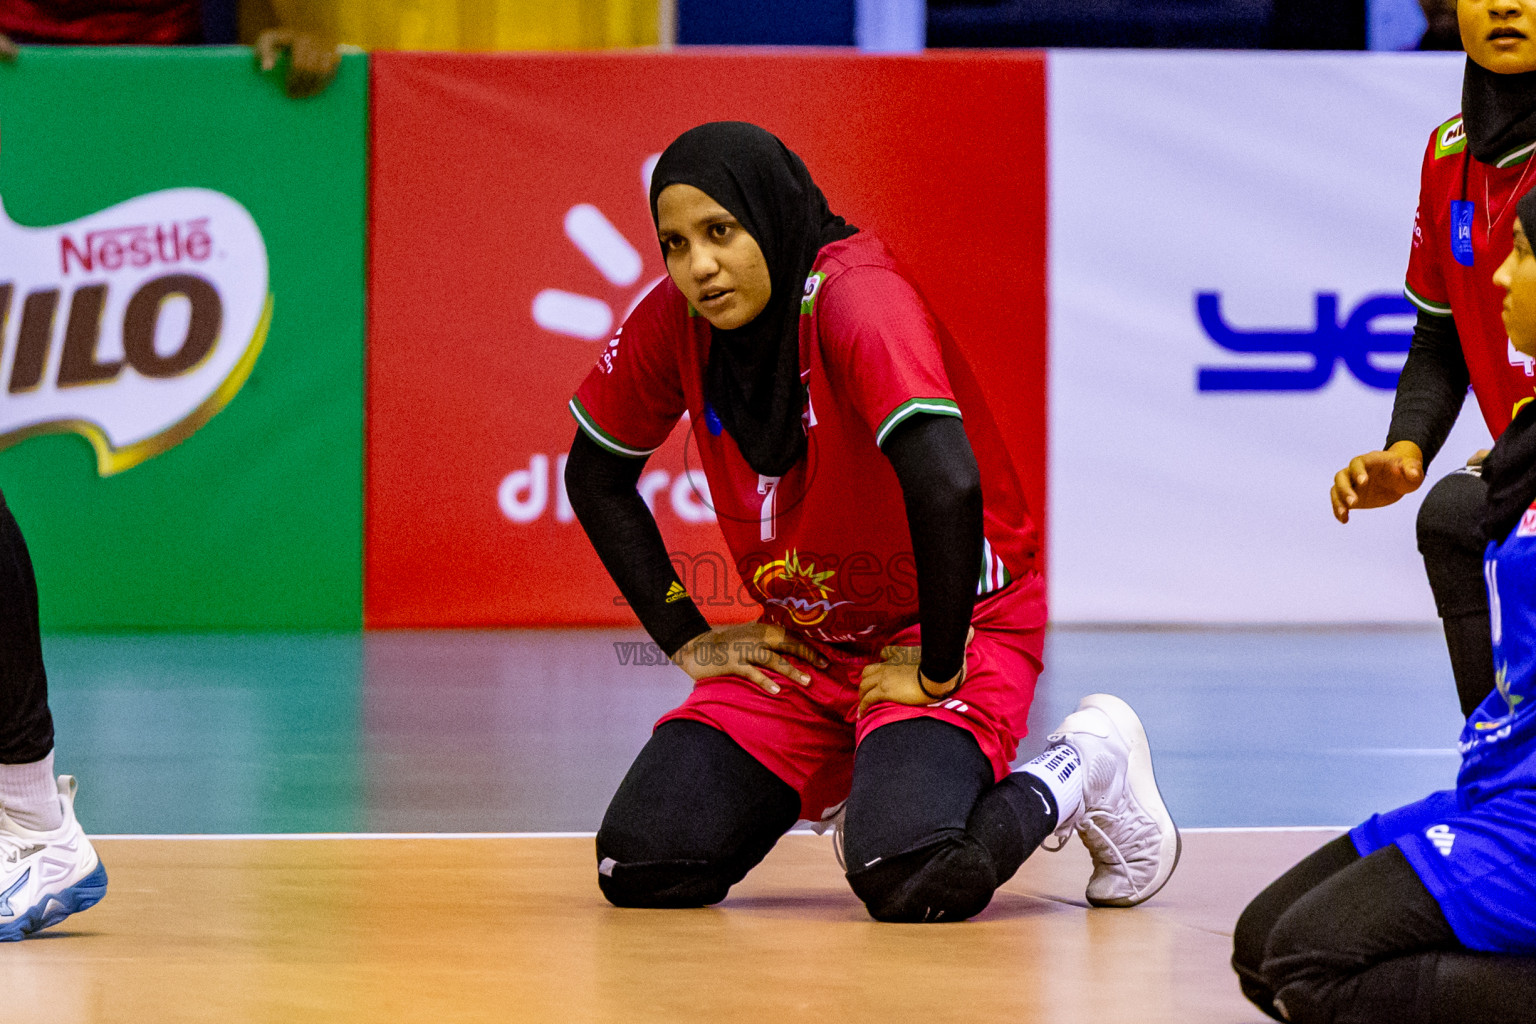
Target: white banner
{"x": 133, "y": 326}
{"x": 1213, "y": 213}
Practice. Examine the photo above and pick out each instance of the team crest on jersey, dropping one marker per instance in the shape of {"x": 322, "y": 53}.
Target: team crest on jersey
{"x": 1450, "y": 138}
{"x": 799, "y": 588}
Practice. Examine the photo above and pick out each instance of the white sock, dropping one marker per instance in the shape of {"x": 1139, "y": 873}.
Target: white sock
{"x": 30, "y": 796}
{"x": 1061, "y": 769}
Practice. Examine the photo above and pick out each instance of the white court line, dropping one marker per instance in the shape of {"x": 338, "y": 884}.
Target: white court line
{"x": 313, "y": 836}
{"x": 1392, "y": 752}
{"x": 1272, "y": 828}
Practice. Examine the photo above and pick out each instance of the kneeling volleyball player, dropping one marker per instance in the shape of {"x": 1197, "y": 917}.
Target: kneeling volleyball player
{"x": 1427, "y": 914}
{"x": 826, "y": 405}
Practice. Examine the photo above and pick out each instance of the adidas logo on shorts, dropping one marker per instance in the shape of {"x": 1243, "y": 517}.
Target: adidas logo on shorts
{"x": 1442, "y": 837}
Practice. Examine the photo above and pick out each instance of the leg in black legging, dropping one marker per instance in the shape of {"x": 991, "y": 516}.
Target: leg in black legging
{"x": 26, "y": 726}
{"x": 929, "y": 836}
{"x": 1369, "y": 945}
{"x": 694, "y": 814}
{"x": 1251, "y": 937}
{"x": 1451, "y": 541}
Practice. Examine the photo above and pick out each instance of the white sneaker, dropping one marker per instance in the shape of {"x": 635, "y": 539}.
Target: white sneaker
{"x": 46, "y": 876}
{"x": 1123, "y": 822}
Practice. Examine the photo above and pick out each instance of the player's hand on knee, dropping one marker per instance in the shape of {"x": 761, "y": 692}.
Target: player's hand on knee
{"x": 898, "y": 678}
{"x": 1376, "y": 479}
{"x": 746, "y": 651}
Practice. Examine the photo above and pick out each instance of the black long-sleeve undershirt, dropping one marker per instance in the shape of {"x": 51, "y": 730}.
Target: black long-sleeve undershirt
{"x": 941, "y": 487}
{"x": 1432, "y": 387}
{"x": 603, "y": 494}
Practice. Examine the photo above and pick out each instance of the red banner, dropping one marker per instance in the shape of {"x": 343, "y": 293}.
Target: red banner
{"x": 511, "y": 235}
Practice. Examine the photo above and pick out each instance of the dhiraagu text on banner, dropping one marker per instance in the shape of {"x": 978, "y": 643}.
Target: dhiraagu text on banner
{"x": 512, "y": 235}
{"x": 181, "y": 311}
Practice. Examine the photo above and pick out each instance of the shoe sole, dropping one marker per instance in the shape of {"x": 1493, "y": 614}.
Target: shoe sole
{"x": 1143, "y": 786}
{"x": 52, "y": 909}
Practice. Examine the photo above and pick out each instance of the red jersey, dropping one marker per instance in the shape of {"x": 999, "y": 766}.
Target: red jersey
{"x": 1461, "y": 233}
{"x": 825, "y": 548}
{"x": 91, "y": 22}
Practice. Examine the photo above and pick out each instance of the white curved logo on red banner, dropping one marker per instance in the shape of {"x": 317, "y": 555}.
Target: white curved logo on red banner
{"x": 132, "y": 327}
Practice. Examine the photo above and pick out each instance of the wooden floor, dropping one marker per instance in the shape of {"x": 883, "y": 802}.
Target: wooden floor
{"x": 514, "y": 929}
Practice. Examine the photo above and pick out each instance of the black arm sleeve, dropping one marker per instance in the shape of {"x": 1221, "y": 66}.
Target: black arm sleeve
{"x": 601, "y": 486}
{"x": 942, "y": 488}
{"x": 1432, "y": 388}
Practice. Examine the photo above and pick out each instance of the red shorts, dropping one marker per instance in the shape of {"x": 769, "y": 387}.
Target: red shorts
{"x": 807, "y": 735}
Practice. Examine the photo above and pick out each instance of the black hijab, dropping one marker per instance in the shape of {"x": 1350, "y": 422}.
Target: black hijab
{"x": 1498, "y": 111}
{"x": 1510, "y": 473}
{"x": 1510, "y": 468}
{"x": 752, "y": 380}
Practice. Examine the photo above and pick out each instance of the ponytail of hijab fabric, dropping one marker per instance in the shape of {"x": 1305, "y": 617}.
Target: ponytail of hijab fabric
{"x": 752, "y": 379}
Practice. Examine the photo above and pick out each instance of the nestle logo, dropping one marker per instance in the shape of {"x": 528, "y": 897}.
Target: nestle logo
{"x": 138, "y": 246}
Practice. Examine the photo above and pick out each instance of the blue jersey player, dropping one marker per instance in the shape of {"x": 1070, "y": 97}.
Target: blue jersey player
{"x": 1428, "y": 913}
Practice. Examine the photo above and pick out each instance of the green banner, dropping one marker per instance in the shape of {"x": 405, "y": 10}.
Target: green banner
{"x": 182, "y": 315}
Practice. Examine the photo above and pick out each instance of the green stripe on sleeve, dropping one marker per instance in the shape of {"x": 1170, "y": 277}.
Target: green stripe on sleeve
{"x": 912, "y": 407}
{"x": 604, "y": 439}
{"x": 1427, "y": 305}
{"x": 1516, "y": 156}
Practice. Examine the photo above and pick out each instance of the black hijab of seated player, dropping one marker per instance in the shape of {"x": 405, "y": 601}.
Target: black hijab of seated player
{"x": 1510, "y": 468}
{"x": 752, "y": 379}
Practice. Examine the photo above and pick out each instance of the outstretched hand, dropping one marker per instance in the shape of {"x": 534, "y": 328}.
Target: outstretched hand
{"x": 1376, "y": 479}
{"x": 745, "y": 651}
{"x": 312, "y": 62}
{"x": 898, "y": 678}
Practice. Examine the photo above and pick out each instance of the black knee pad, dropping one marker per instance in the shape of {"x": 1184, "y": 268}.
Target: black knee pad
{"x": 1248, "y": 940}
{"x": 1298, "y": 972}
{"x": 662, "y": 885}
{"x": 950, "y": 880}
{"x": 1450, "y": 538}
{"x": 693, "y": 815}
{"x": 1452, "y": 514}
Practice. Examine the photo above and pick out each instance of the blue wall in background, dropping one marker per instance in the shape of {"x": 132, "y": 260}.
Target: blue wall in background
{"x": 765, "y": 22}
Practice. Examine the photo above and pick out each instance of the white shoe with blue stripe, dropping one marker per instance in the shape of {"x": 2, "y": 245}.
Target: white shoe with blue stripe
{"x": 46, "y": 876}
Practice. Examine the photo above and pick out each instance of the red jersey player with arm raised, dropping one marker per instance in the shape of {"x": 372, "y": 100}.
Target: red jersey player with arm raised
{"x": 1476, "y": 166}
{"x": 870, "y": 507}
